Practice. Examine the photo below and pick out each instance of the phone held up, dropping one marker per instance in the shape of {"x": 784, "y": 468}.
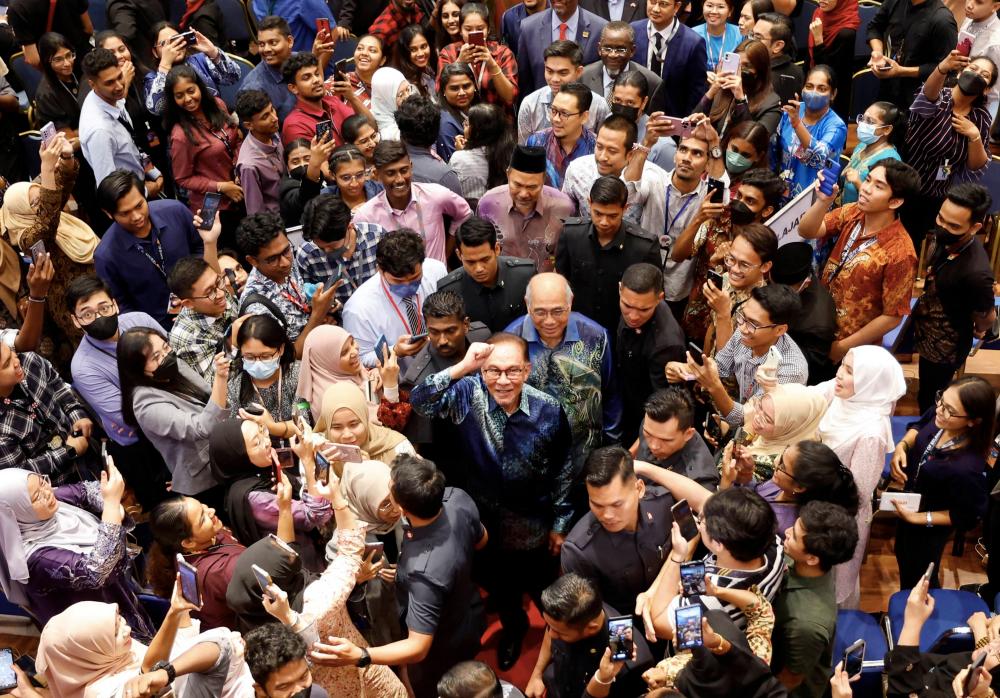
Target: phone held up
{"x": 620, "y": 638}
{"x": 681, "y": 511}
{"x": 687, "y": 620}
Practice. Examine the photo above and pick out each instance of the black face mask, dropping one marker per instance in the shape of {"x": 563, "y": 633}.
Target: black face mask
{"x": 167, "y": 371}
{"x": 630, "y": 113}
{"x": 304, "y": 693}
{"x": 740, "y": 213}
{"x": 103, "y": 328}
{"x": 748, "y": 79}
{"x": 298, "y": 172}
{"x": 945, "y": 239}
{"x": 971, "y": 84}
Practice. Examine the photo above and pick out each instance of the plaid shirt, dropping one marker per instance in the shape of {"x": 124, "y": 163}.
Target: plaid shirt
{"x": 487, "y": 92}
{"x": 557, "y": 159}
{"x": 196, "y": 337}
{"x": 296, "y": 311}
{"x": 737, "y": 361}
{"x": 317, "y": 268}
{"x": 390, "y": 23}
{"x": 41, "y": 407}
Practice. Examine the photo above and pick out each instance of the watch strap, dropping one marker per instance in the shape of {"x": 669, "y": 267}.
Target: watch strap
{"x": 364, "y": 660}
{"x": 167, "y": 667}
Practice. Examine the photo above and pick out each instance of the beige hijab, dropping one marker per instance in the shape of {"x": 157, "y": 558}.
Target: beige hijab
{"x": 380, "y": 442}
{"x": 365, "y": 486}
{"x": 74, "y": 237}
{"x": 797, "y": 413}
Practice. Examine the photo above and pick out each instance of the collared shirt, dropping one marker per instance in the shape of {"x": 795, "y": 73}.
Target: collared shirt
{"x": 579, "y": 373}
{"x": 260, "y": 167}
{"x": 571, "y": 25}
{"x": 534, "y": 113}
{"x": 806, "y": 612}
{"x": 390, "y": 23}
{"x": 42, "y": 406}
{"x": 95, "y": 377}
{"x": 302, "y": 119}
{"x": 424, "y": 214}
{"x": 196, "y": 337}
{"x": 221, "y": 71}
{"x": 534, "y": 236}
{"x": 136, "y": 269}
{"x": 694, "y": 461}
{"x": 107, "y": 145}
{"x": 668, "y": 33}
{"x": 520, "y": 472}
{"x": 580, "y": 177}
{"x": 317, "y": 266}
{"x": 799, "y": 165}
{"x": 270, "y": 80}
{"x": 473, "y": 170}
{"x": 288, "y": 296}
{"x": 375, "y": 310}
{"x": 498, "y": 305}
{"x": 556, "y": 158}
{"x": 986, "y": 43}
{"x": 428, "y": 168}
{"x": 736, "y": 360}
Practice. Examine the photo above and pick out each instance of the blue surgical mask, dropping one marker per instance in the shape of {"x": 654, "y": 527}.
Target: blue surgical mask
{"x": 815, "y": 101}
{"x": 405, "y": 290}
{"x": 866, "y": 133}
{"x": 261, "y": 370}
{"x": 737, "y": 163}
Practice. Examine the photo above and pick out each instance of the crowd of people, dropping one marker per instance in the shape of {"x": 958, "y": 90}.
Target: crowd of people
{"x": 303, "y": 378}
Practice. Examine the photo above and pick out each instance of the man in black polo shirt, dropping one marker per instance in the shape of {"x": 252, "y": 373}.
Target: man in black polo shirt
{"x": 668, "y": 439}
{"x": 442, "y": 606}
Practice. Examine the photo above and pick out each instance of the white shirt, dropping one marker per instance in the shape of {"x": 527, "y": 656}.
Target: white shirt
{"x": 106, "y": 143}
{"x": 987, "y": 33}
{"x": 580, "y": 177}
{"x": 667, "y": 33}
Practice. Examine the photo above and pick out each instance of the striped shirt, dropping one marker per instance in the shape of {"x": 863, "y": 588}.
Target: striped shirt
{"x": 473, "y": 170}
{"x": 934, "y": 144}
{"x": 737, "y": 361}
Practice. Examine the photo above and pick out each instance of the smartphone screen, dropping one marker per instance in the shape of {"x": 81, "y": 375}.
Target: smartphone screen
{"x": 189, "y": 581}
{"x": 209, "y": 209}
{"x": 715, "y": 278}
{"x": 322, "y": 471}
{"x": 687, "y": 620}
{"x": 693, "y": 578}
{"x": 681, "y": 512}
{"x": 854, "y": 658}
{"x": 382, "y": 348}
{"x": 323, "y": 128}
{"x": 477, "y": 38}
{"x": 8, "y": 679}
{"x": 696, "y": 353}
{"x": 37, "y": 250}
{"x": 377, "y": 547}
{"x": 620, "y": 638}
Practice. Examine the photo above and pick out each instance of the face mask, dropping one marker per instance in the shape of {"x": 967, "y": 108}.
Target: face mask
{"x": 304, "y": 693}
{"x": 748, "y": 79}
{"x": 261, "y": 369}
{"x": 815, "y": 101}
{"x": 298, "y": 172}
{"x": 971, "y": 83}
{"x": 740, "y": 213}
{"x": 866, "y": 133}
{"x": 103, "y": 328}
{"x": 630, "y": 113}
{"x": 737, "y": 163}
{"x": 405, "y": 290}
{"x": 167, "y": 371}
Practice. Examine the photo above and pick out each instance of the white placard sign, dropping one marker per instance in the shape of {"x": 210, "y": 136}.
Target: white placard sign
{"x": 785, "y": 223}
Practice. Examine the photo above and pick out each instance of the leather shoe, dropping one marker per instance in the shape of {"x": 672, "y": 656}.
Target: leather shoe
{"x": 509, "y": 648}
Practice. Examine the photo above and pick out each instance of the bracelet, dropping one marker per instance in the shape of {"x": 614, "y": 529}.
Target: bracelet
{"x": 976, "y": 139}
{"x": 679, "y": 562}
{"x": 938, "y": 68}
{"x": 723, "y": 647}
{"x": 499, "y": 72}
{"x": 597, "y": 678}
{"x": 32, "y": 299}
{"x": 982, "y": 642}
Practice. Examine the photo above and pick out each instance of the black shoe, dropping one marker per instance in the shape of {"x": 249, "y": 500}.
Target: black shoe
{"x": 509, "y": 648}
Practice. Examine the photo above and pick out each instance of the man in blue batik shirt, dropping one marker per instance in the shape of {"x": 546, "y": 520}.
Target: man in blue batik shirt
{"x": 518, "y": 443}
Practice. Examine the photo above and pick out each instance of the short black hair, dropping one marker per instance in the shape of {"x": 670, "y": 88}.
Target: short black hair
{"x": 344, "y": 154}
{"x": 274, "y": 22}
{"x": 257, "y": 230}
{"x": 604, "y": 464}
{"x": 97, "y": 61}
{"x": 668, "y": 403}
{"x": 633, "y": 78}
{"x": 617, "y": 122}
{"x": 270, "y": 647}
{"x": 400, "y": 252}
{"x": 116, "y": 186}
{"x": 388, "y": 152}
{"x": 901, "y": 178}
{"x": 831, "y": 533}
{"x": 974, "y": 197}
{"x": 326, "y": 218}
{"x": 781, "y": 302}
{"x": 643, "y": 277}
{"x": 444, "y": 304}
{"x": 761, "y": 238}
{"x": 771, "y": 186}
{"x": 470, "y": 679}
{"x": 296, "y": 62}
{"x": 781, "y": 30}
{"x": 419, "y": 120}
{"x": 573, "y": 600}
{"x": 564, "y": 49}
{"x": 250, "y": 103}
{"x": 609, "y": 190}
{"x": 476, "y": 231}
{"x": 82, "y": 287}
{"x": 742, "y": 521}
{"x": 184, "y": 274}
{"x": 417, "y": 485}
{"x": 583, "y": 94}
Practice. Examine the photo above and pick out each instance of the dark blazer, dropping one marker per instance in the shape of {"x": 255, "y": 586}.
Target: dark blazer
{"x": 593, "y": 76}
{"x": 633, "y": 11}
{"x": 684, "y": 80}
{"x": 536, "y": 34}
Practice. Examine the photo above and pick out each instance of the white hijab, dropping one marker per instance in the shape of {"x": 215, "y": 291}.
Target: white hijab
{"x": 385, "y": 87}
{"x": 878, "y": 383}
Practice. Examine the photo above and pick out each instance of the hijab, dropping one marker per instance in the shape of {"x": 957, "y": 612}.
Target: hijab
{"x": 843, "y": 16}
{"x": 385, "y": 87}
{"x": 878, "y": 384}
{"x": 10, "y": 277}
{"x": 244, "y": 595}
{"x": 320, "y": 366}
{"x": 79, "y": 646}
{"x": 797, "y": 412}
{"x": 22, "y": 533}
{"x": 380, "y": 442}
{"x": 74, "y": 237}
{"x": 227, "y": 453}
{"x": 365, "y": 486}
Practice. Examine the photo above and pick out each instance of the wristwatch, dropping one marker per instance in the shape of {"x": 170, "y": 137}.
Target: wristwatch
{"x": 930, "y": 521}
{"x": 167, "y": 667}
{"x": 71, "y": 450}
{"x": 364, "y": 660}
{"x": 715, "y": 152}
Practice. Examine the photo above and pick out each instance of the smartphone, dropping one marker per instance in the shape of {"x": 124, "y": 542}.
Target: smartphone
{"x": 854, "y": 659}
{"x": 679, "y": 127}
{"x": 189, "y": 581}
{"x": 883, "y": 67}
{"x": 263, "y": 579}
{"x": 696, "y": 353}
{"x": 418, "y": 337}
{"x": 928, "y": 573}
{"x": 187, "y": 37}
{"x": 715, "y": 278}
{"x": 377, "y": 547}
{"x": 322, "y": 471}
{"x": 687, "y": 620}
{"x": 965, "y": 41}
{"x": 730, "y": 63}
{"x": 231, "y": 275}
{"x": 209, "y": 208}
{"x": 382, "y": 348}
{"x": 477, "y": 38}
{"x": 620, "y": 638}
{"x": 787, "y": 85}
{"x": 335, "y": 277}
{"x": 972, "y": 678}
{"x": 37, "y": 250}
{"x": 285, "y": 547}
{"x": 345, "y": 453}
{"x": 715, "y": 190}
{"x": 773, "y": 359}
{"x": 254, "y": 408}
{"x": 681, "y": 512}
{"x": 323, "y": 128}
{"x": 693, "y": 578}
{"x": 323, "y": 25}
{"x": 286, "y": 458}
{"x": 343, "y": 67}
{"x": 48, "y": 132}
{"x": 8, "y": 679}
{"x": 830, "y": 174}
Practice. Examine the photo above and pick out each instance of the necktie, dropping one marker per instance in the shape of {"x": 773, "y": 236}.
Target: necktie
{"x": 411, "y": 314}
{"x": 656, "y": 62}
{"x": 562, "y": 31}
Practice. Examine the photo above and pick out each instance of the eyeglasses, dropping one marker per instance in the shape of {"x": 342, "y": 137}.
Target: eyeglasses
{"x": 554, "y": 313}
{"x": 58, "y": 60}
{"x": 862, "y": 119}
{"x": 359, "y": 177}
{"x": 513, "y": 373}
{"x": 262, "y": 357}
{"x": 779, "y": 466}
{"x": 945, "y": 409}
{"x": 275, "y": 258}
{"x": 560, "y": 114}
{"x": 613, "y": 50}
{"x": 215, "y": 292}
{"x": 103, "y": 310}
{"x": 759, "y": 37}
{"x": 44, "y": 488}
{"x": 731, "y": 261}
{"x": 740, "y": 319}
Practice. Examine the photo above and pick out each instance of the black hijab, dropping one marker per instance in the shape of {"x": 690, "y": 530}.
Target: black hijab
{"x": 244, "y": 596}
{"x": 227, "y": 453}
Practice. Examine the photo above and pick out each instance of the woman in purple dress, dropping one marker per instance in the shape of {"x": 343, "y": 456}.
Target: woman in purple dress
{"x": 57, "y": 552}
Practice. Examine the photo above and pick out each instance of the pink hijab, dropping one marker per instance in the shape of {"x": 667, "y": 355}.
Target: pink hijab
{"x": 320, "y": 366}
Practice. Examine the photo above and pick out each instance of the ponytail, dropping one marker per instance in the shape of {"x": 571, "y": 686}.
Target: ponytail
{"x": 824, "y": 477}
{"x": 169, "y": 525}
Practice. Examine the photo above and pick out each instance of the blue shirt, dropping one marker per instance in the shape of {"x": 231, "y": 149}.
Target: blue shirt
{"x": 136, "y": 270}
{"x": 264, "y": 77}
{"x": 863, "y": 166}
{"x": 106, "y": 143}
{"x": 799, "y": 166}
{"x": 579, "y": 374}
{"x": 716, "y": 46}
{"x": 301, "y": 17}
{"x": 519, "y": 467}
{"x": 571, "y": 25}
{"x": 317, "y": 266}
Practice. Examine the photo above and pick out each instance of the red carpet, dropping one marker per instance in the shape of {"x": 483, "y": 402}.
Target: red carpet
{"x": 520, "y": 672}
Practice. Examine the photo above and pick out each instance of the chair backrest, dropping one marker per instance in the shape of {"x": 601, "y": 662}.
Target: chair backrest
{"x": 864, "y": 91}
{"x": 229, "y": 92}
{"x": 29, "y": 76}
{"x": 239, "y": 26}
{"x": 945, "y": 629}
{"x": 861, "y": 48}
{"x": 30, "y": 142}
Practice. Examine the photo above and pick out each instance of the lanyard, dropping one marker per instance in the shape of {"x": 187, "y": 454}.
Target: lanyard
{"x": 932, "y": 448}
{"x": 714, "y": 60}
{"x": 851, "y": 250}
{"x": 159, "y": 248}
{"x": 406, "y": 323}
{"x": 100, "y": 349}
{"x": 691, "y": 197}
{"x": 295, "y": 300}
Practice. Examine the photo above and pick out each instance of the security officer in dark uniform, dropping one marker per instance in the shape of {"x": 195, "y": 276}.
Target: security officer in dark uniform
{"x": 594, "y": 252}
{"x": 621, "y": 548}
{"x": 492, "y": 286}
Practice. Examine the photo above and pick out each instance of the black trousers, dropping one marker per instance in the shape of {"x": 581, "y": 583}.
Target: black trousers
{"x": 933, "y": 377}
{"x": 509, "y": 574}
{"x": 916, "y": 547}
